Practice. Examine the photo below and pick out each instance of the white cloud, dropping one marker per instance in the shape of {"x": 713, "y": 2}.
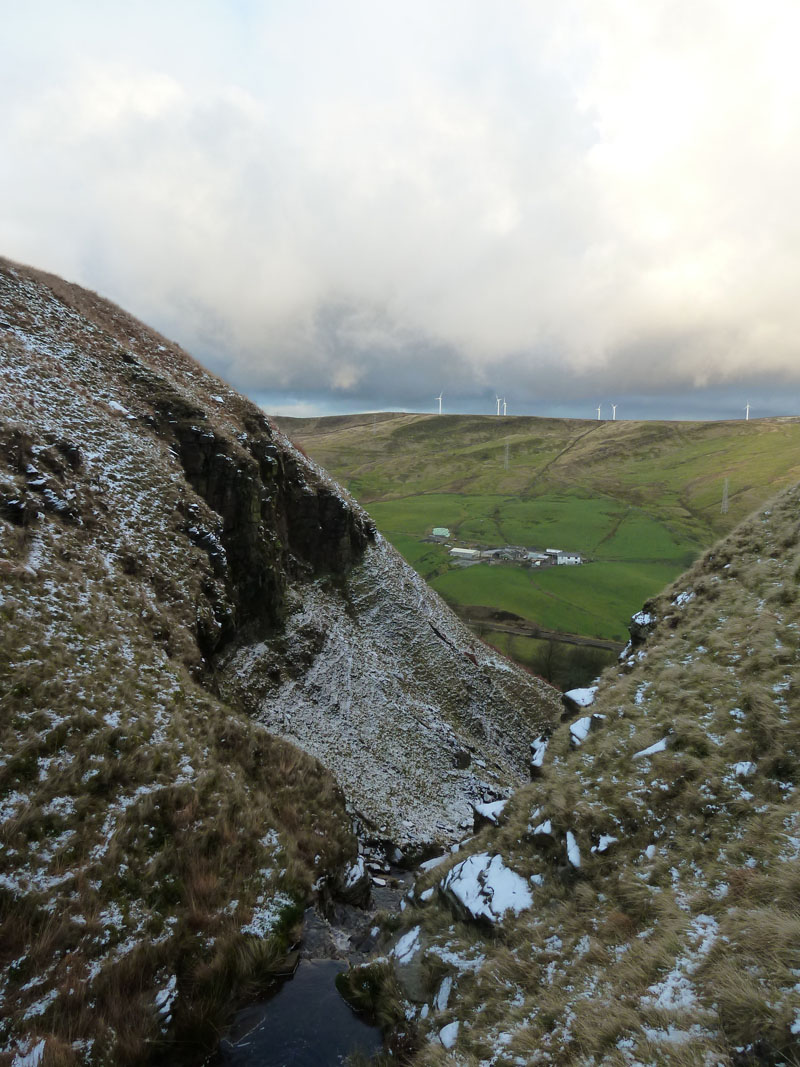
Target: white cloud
{"x": 323, "y": 194}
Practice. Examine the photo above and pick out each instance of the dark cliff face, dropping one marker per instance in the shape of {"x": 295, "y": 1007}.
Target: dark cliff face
{"x": 272, "y": 516}
{"x": 279, "y": 521}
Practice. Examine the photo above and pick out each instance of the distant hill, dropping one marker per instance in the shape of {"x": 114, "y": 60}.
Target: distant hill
{"x": 640, "y": 500}
{"x": 212, "y": 669}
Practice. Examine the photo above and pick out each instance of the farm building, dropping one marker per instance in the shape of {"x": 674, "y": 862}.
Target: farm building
{"x": 561, "y": 558}
{"x": 441, "y": 531}
{"x": 508, "y": 552}
{"x": 465, "y": 553}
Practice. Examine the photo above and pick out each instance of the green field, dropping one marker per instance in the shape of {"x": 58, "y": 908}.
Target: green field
{"x": 639, "y": 500}
{"x": 595, "y": 600}
{"x": 566, "y": 666}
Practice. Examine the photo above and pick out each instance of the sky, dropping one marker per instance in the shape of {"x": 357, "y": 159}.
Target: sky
{"x": 360, "y": 205}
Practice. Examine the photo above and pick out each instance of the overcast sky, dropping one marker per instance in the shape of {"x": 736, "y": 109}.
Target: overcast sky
{"x": 356, "y": 205}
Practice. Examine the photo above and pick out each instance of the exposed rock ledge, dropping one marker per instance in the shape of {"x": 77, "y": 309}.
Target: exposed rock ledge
{"x": 415, "y": 717}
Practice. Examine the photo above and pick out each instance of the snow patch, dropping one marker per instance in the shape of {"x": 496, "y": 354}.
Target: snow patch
{"x": 573, "y": 852}
{"x": 582, "y": 697}
{"x": 487, "y": 888}
{"x": 32, "y": 1058}
{"x": 448, "y": 1035}
{"x": 407, "y": 947}
{"x": 491, "y": 811}
{"x": 538, "y": 749}
{"x": 659, "y": 746}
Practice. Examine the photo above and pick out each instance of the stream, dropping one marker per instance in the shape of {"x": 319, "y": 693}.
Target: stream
{"x": 307, "y": 1023}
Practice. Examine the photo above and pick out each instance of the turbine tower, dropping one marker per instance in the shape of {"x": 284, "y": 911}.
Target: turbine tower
{"x": 747, "y": 412}
{"x": 498, "y": 404}
{"x": 439, "y": 398}
{"x": 504, "y": 405}
{"x": 598, "y": 412}
{"x": 613, "y": 412}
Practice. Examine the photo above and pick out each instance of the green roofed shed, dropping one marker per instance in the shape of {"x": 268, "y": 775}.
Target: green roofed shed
{"x": 441, "y": 531}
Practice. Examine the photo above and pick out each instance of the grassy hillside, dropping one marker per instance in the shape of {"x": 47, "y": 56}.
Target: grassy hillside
{"x": 640, "y": 499}
{"x": 651, "y": 872}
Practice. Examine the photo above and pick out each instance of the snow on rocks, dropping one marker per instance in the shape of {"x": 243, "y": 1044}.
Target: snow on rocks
{"x": 407, "y": 947}
{"x": 640, "y": 626}
{"x": 32, "y": 1058}
{"x": 744, "y": 769}
{"x": 428, "y": 865}
{"x": 603, "y": 844}
{"x": 443, "y": 996}
{"x": 165, "y": 998}
{"x": 579, "y": 730}
{"x": 355, "y": 882}
{"x": 448, "y": 1035}
{"x": 538, "y": 751}
{"x": 354, "y": 873}
{"x": 659, "y": 746}
{"x": 580, "y": 698}
{"x": 683, "y": 598}
{"x": 573, "y": 852}
{"x": 488, "y": 813}
{"x": 484, "y": 888}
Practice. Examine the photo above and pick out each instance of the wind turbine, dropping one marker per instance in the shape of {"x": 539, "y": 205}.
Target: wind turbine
{"x": 439, "y": 398}
{"x": 613, "y": 412}
{"x": 598, "y": 412}
{"x": 498, "y": 404}
{"x": 747, "y": 412}
{"x": 504, "y": 405}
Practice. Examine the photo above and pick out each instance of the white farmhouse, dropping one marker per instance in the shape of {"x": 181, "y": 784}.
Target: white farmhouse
{"x": 562, "y": 558}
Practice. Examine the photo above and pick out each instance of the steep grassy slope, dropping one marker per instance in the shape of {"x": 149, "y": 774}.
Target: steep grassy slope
{"x": 156, "y": 841}
{"x": 660, "y": 845}
{"x": 640, "y": 499}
